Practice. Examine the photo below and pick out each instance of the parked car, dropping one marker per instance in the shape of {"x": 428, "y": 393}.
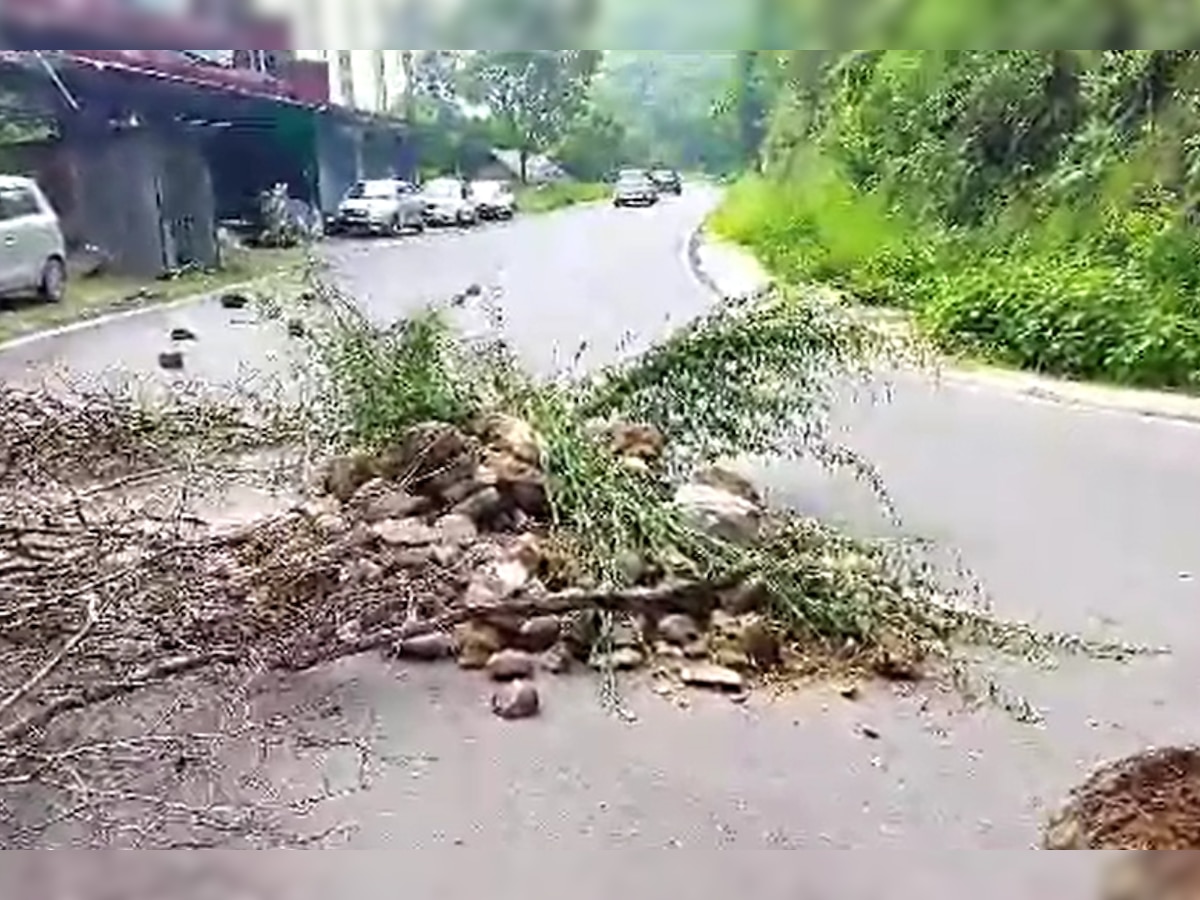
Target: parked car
{"x": 381, "y": 206}
{"x": 668, "y": 181}
{"x": 635, "y": 187}
{"x": 33, "y": 254}
{"x": 494, "y": 199}
{"x": 447, "y": 201}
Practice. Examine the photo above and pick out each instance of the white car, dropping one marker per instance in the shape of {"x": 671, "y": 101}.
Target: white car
{"x": 383, "y": 206}
{"x": 448, "y": 201}
{"x": 495, "y": 199}
{"x": 33, "y": 254}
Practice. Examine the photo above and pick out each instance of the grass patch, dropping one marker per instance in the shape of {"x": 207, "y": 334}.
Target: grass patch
{"x": 550, "y": 197}
{"x": 91, "y": 297}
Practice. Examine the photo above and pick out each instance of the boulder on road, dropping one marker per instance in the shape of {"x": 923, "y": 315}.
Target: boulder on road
{"x": 427, "y": 648}
{"x": 477, "y": 643}
{"x": 380, "y": 501}
{"x": 430, "y": 458}
{"x": 510, "y": 665}
{"x": 680, "y": 630}
{"x": 539, "y": 634}
{"x": 405, "y": 533}
{"x": 720, "y": 513}
{"x": 345, "y": 475}
{"x": 713, "y": 677}
{"x": 518, "y": 700}
{"x": 637, "y": 441}
{"x": 727, "y": 480}
{"x": 512, "y": 437}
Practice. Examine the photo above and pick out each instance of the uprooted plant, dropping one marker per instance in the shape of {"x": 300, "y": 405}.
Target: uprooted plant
{"x": 753, "y": 378}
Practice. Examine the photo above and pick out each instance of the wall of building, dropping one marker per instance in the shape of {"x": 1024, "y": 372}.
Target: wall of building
{"x": 367, "y": 80}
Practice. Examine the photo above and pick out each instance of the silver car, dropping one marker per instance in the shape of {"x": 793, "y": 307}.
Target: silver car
{"x": 382, "y": 206}
{"x": 33, "y": 254}
{"x": 495, "y": 199}
{"x": 635, "y": 188}
{"x": 448, "y": 201}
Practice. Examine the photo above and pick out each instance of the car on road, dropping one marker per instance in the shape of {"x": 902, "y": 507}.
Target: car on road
{"x": 635, "y": 187}
{"x": 494, "y": 199}
{"x": 448, "y": 201}
{"x": 380, "y": 206}
{"x": 33, "y": 253}
{"x": 668, "y": 181}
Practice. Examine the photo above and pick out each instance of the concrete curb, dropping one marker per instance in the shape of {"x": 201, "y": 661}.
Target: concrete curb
{"x": 100, "y": 321}
{"x": 1081, "y": 395}
{"x": 700, "y": 245}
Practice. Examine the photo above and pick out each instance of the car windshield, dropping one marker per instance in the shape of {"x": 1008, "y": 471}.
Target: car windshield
{"x": 373, "y": 190}
{"x": 488, "y": 189}
{"x": 665, "y": 174}
{"x": 633, "y": 179}
{"x": 444, "y": 188}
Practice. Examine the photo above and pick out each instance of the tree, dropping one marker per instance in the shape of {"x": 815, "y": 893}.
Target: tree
{"x": 594, "y": 145}
{"x": 534, "y": 94}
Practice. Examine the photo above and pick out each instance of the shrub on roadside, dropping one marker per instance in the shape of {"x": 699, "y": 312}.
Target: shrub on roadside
{"x": 1103, "y": 289}
{"x": 559, "y": 195}
{"x": 819, "y": 228}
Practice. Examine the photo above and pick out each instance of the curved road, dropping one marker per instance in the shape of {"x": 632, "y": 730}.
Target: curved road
{"x": 1082, "y": 520}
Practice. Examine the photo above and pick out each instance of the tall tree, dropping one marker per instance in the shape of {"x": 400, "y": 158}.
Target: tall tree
{"x": 534, "y": 94}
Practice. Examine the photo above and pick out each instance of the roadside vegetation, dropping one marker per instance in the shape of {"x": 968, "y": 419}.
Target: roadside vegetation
{"x": 1032, "y": 208}
{"x": 549, "y": 197}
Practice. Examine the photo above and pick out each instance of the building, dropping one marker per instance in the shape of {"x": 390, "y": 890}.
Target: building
{"x": 366, "y": 80}
{"x": 369, "y": 80}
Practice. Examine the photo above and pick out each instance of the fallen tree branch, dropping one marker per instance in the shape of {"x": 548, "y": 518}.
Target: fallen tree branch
{"x": 98, "y": 693}
{"x": 93, "y": 616}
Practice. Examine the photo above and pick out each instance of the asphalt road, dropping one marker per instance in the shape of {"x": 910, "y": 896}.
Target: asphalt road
{"x": 1080, "y": 520}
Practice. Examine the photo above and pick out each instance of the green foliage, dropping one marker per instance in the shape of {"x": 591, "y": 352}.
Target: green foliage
{"x": 387, "y": 380}
{"x": 668, "y": 105}
{"x": 593, "y": 147}
{"x": 559, "y": 195}
{"x": 1033, "y": 207}
{"x": 534, "y": 94}
{"x": 821, "y": 229}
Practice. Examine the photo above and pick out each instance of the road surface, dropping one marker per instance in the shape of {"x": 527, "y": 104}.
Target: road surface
{"x": 1080, "y": 520}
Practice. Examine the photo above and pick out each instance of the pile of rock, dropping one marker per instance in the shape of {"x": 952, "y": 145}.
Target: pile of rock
{"x": 470, "y": 502}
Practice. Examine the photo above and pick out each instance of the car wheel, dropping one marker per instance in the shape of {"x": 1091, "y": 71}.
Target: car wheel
{"x": 53, "y": 286}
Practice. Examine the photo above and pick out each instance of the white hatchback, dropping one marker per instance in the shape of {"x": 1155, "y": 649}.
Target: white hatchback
{"x": 33, "y": 255}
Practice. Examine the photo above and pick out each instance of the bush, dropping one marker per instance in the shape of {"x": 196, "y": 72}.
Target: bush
{"x": 559, "y": 195}
{"x": 1076, "y": 317}
{"x": 819, "y": 228}
{"x": 1096, "y": 289}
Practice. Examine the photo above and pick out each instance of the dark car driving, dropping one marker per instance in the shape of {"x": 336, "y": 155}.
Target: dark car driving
{"x": 668, "y": 181}
{"x": 635, "y": 187}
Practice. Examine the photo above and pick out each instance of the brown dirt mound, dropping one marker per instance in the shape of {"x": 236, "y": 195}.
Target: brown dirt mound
{"x": 1147, "y": 802}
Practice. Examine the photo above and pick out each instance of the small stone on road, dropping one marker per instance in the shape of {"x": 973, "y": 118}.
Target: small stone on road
{"x": 713, "y": 677}
{"x": 518, "y": 700}
{"x": 511, "y": 665}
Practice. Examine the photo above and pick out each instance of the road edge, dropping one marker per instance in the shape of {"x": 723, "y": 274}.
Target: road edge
{"x": 729, "y": 271}
{"x": 100, "y": 321}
